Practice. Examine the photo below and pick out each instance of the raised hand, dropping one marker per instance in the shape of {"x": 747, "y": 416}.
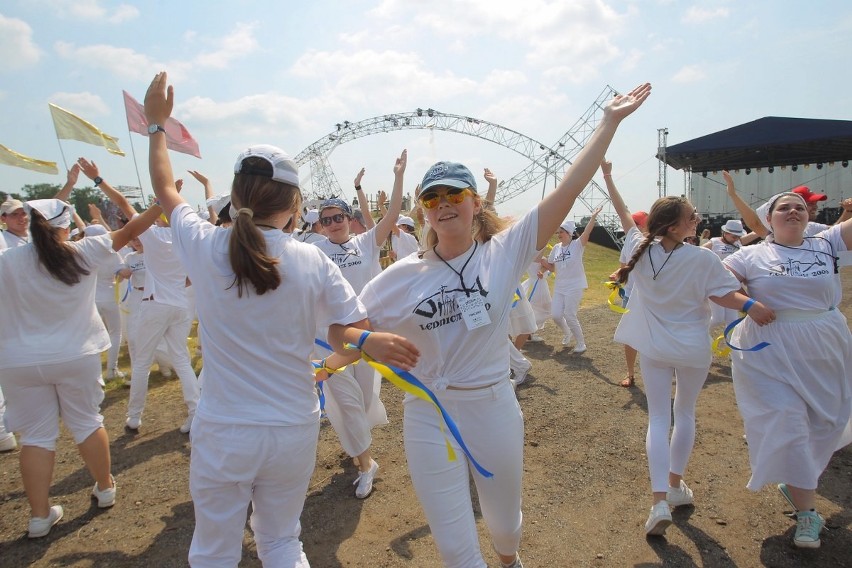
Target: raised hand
{"x": 606, "y": 167}
{"x": 489, "y": 176}
{"x": 90, "y": 169}
{"x": 359, "y": 177}
{"x": 401, "y": 162}
{"x": 179, "y": 184}
{"x": 381, "y": 198}
{"x": 200, "y": 177}
{"x": 159, "y": 99}
{"x": 73, "y": 174}
{"x": 622, "y": 106}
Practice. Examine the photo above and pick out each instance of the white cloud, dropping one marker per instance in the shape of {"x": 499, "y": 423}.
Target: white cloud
{"x": 237, "y": 44}
{"x": 699, "y": 15}
{"x": 689, "y": 74}
{"x": 93, "y": 11}
{"x": 17, "y": 49}
{"x": 122, "y": 62}
{"x": 84, "y": 104}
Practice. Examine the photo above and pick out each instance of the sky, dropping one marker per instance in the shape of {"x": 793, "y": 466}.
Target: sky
{"x": 286, "y": 73}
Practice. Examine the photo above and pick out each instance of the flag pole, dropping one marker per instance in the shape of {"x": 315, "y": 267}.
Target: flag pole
{"x": 135, "y": 165}
{"x": 64, "y": 161}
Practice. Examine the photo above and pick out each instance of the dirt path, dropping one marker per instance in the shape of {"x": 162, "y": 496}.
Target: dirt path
{"x": 585, "y": 488}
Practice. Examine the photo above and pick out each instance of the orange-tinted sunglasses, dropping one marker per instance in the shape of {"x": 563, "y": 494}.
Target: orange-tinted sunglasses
{"x": 454, "y": 195}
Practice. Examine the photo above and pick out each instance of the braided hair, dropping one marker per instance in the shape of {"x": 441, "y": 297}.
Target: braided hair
{"x": 665, "y": 213}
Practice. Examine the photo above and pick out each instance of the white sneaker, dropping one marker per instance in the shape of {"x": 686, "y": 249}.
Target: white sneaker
{"x": 566, "y": 340}
{"x": 659, "y": 519}
{"x": 521, "y": 376}
{"x": 679, "y": 496}
{"x": 579, "y": 349}
{"x": 365, "y": 481}
{"x": 133, "y": 423}
{"x": 105, "y": 497}
{"x": 535, "y": 338}
{"x": 8, "y": 443}
{"x": 187, "y": 425}
{"x": 166, "y": 373}
{"x": 114, "y": 374}
{"x": 40, "y": 526}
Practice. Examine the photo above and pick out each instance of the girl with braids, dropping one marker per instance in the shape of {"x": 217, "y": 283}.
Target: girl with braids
{"x": 795, "y": 396}
{"x": 50, "y": 365}
{"x": 453, "y": 300}
{"x": 667, "y": 324}
{"x": 261, "y": 294}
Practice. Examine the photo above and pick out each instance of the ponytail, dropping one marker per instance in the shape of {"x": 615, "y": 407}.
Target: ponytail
{"x": 665, "y": 213}
{"x": 58, "y": 257}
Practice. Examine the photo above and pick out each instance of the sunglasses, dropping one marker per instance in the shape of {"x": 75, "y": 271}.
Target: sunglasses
{"x": 338, "y": 218}
{"x": 454, "y": 195}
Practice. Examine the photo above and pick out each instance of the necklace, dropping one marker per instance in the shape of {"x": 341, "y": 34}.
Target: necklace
{"x": 459, "y": 273}
{"x": 657, "y": 272}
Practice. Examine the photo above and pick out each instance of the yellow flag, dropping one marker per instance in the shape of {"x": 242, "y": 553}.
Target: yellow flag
{"x": 12, "y": 158}
{"x": 69, "y": 126}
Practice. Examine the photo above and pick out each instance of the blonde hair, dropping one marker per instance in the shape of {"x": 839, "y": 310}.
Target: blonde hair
{"x": 258, "y": 196}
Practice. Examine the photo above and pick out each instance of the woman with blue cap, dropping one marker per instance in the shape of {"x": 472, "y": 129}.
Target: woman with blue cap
{"x": 453, "y": 301}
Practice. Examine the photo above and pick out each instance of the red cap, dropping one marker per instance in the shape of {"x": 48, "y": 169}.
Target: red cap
{"x": 640, "y": 218}
{"x": 809, "y": 197}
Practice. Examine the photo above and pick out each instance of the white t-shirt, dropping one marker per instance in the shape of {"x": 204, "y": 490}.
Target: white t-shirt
{"x": 668, "y": 318}
{"x": 722, "y": 249}
{"x": 2, "y": 241}
{"x": 357, "y": 258}
{"x": 404, "y": 244}
{"x": 814, "y": 228}
{"x": 135, "y": 262}
{"x": 308, "y": 237}
{"x": 257, "y": 348}
{"x": 12, "y": 240}
{"x": 568, "y": 265}
{"x": 801, "y": 277}
{"x": 105, "y": 288}
{"x": 45, "y": 320}
{"x": 416, "y": 298}
{"x": 165, "y": 277}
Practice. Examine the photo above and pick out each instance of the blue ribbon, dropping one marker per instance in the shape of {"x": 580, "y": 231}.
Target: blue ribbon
{"x": 730, "y": 329}
{"x": 535, "y": 285}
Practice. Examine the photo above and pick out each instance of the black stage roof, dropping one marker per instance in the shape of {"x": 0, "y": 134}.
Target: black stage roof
{"x": 768, "y": 141}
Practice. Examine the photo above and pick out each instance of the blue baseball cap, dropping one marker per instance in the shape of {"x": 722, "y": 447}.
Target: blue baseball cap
{"x": 338, "y": 203}
{"x": 450, "y": 174}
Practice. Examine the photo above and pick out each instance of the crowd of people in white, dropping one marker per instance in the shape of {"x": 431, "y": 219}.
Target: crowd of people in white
{"x": 289, "y": 298}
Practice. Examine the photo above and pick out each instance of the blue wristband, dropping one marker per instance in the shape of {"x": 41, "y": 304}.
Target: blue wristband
{"x": 362, "y": 339}
{"x": 749, "y": 303}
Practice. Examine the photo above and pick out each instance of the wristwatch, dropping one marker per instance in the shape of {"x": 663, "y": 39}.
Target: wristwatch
{"x": 98, "y": 180}
{"x": 154, "y": 128}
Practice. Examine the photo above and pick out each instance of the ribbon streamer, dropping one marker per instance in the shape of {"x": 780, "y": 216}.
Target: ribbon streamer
{"x": 616, "y": 294}
{"x": 730, "y": 329}
{"x": 718, "y": 349}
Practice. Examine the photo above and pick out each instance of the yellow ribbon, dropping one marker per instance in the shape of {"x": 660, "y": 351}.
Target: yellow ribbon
{"x": 614, "y": 299}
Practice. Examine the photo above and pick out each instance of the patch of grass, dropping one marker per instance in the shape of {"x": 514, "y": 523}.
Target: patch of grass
{"x": 599, "y": 262}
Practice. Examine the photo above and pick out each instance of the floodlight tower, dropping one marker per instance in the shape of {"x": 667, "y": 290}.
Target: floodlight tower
{"x": 662, "y": 134}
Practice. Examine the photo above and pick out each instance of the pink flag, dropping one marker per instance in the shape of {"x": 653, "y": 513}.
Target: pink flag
{"x": 178, "y": 137}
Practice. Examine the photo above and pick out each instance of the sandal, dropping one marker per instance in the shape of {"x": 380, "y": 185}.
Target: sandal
{"x": 628, "y": 382}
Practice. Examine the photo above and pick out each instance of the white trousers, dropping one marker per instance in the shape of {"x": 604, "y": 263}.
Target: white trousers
{"x": 234, "y": 465}
{"x": 517, "y": 361}
{"x": 157, "y": 321}
{"x": 353, "y": 406}
{"x": 666, "y": 456}
{"x": 564, "y": 309}
{"x": 3, "y": 432}
{"x": 39, "y": 395}
{"x": 111, "y": 315}
{"x": 492, "y": 426}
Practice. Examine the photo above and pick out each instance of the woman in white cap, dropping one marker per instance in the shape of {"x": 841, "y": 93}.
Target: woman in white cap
{"x": 667, "y": 324}
{"x": 50, "y": 362}
{"x": 310, "y": 232}
{"x": 724, "y": 246}
{"x": 354, "y": 405}
{"x": 795, "y": 396}
{"x": 261, "y": 294}
{"x": 566, "y": 260}
{"x": 453, "y": 301}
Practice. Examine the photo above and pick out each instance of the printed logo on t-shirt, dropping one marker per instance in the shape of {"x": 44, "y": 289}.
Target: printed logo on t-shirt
{"x": 563, "y": 255}
{"x": 441, "y": 307}
{"x": 346, "y": 258}
{"x": 804, "y": 269}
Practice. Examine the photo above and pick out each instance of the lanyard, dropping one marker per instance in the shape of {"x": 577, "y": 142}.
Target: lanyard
{"x": 657, "y": 272}
{"x": 460, "y": 273}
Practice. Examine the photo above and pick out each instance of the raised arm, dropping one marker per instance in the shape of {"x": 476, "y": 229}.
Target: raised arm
{"x": 208, "y": 193}
{"x": 363, "y": 202}
{"x": 159, "y": 102}
{"x": 621, "y": 210}
{"x": 749, "y": 215}
{"x": 556, "y": 205}
{"x": 70, "y": 180}
{"x": 388, "y": 222}
{"x": 137, "y": 225}
{"x": 492, "y": 190}
{"x": 98, "y": 217}
{"x": 846, "y": 204}
{"x": 90, "y": 169}
{"x": 590, "y": 226}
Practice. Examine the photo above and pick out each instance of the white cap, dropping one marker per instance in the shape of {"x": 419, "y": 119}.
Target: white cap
{"x": 568, "y": 226}
{"x": 311, "y": 216}
{"x": 284, "y": 169}
{"x": 57, "y": 212}
{"x": 407, "y": 221}
{"x": 734, "y": 227}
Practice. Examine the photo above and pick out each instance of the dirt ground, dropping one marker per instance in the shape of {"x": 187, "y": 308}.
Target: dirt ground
{"x": 586, "y": 489}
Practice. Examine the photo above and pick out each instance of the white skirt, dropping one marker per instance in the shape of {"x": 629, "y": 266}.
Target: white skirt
{"x": 795, "y": 396}
{"x": 521, "y": 317}
{"x": 541, "y": 299}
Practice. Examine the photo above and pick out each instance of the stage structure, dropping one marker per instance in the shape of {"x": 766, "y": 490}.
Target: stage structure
{"x": 547, "y": 162}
